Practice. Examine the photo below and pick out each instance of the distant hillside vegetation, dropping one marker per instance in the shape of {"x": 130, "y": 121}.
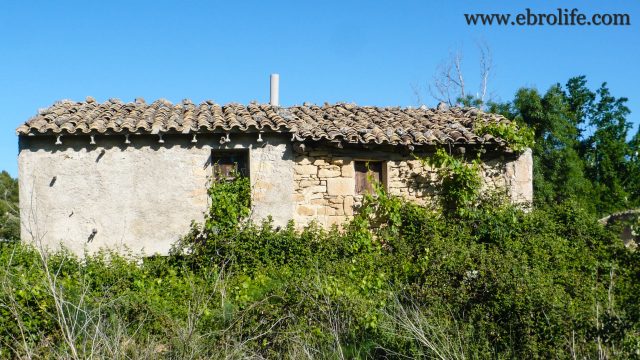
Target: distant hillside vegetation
{"x": 9, "y": 213}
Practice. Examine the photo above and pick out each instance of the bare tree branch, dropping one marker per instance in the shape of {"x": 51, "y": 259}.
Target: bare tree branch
{"x": 457, "y": 60}
{"x": 486, "y": 67}
{"x": 448, "y": 84}
{"x": 415, "y": 88}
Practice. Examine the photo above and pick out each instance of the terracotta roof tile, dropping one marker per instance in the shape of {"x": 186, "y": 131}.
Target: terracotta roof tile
{"x": 339, "y": 122}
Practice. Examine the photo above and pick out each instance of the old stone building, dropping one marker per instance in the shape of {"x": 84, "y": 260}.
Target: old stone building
{"x": 134, "y": 175}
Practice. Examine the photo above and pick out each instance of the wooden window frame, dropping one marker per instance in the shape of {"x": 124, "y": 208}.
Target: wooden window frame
{"x": 362, "y": 189}
{"x": 218, "y": 155}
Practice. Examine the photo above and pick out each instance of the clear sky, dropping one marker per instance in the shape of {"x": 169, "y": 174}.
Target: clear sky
{"x": 367, "y": 52}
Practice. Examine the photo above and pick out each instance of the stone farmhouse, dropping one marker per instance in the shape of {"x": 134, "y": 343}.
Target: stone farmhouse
{"x": 135, "y": 175}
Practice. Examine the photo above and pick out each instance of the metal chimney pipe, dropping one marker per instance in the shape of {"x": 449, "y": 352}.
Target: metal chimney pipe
{"x": 275, "y": 90}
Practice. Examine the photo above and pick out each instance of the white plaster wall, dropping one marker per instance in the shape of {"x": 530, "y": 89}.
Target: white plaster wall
{"x": 141, "y": 196}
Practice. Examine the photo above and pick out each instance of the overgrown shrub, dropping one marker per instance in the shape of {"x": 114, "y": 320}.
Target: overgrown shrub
{"x": 399, "y": 281}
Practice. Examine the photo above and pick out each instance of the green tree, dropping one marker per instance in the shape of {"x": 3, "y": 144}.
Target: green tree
{"x": 632, "y": 180}
{"x": 600, "y": 172}
{"x": 9, "y": 220}
{"x": 607, "y": 152}
{"x": 558, "y": 168}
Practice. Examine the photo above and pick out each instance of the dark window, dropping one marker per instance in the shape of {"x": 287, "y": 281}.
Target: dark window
{"x": 228, "y": 163}
{"x": 367, "y": 173}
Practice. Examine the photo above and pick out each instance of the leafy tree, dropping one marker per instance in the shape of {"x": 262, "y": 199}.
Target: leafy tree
{"x": 598, "y": 171}
{"x": 607, "y": 151}
{"x": 9, "y": 221}
{"x": 632, "y": 181}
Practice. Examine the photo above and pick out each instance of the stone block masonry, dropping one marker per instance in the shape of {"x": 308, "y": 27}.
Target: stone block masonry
{"x": 322, "y": 192}
{"x": 325, "y": 191}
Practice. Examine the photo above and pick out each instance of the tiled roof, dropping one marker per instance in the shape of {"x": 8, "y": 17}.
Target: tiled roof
{"x": 344, "y": 122}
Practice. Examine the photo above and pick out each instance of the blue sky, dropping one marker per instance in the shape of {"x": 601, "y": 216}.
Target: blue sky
{"x": 367, "y": 52}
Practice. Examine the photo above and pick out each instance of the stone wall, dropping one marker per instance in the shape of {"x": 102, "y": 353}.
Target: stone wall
{"x": 324, "y": 188}
{"x": 144, "y": 195}
{"x": 324, "y": 181}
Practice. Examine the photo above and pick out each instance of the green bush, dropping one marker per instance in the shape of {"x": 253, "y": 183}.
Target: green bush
{"x": 400, "y": 280}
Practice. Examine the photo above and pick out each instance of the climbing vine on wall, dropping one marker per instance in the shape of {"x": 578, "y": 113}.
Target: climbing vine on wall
{"x": 459, "y": 181}
{"x": 230, "y": 205}
{"x": 518, "y": 137}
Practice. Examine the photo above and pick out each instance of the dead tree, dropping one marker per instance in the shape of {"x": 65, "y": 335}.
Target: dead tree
{"x": 448, "y": 85}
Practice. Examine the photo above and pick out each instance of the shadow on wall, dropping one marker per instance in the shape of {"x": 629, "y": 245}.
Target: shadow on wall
{"x": 425, "y": 181}
{"x": 104, "y": 143}
{"x": 626, "y": 224}
{"x": 423, "y": 184}
{"x": 118, "y": 141}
